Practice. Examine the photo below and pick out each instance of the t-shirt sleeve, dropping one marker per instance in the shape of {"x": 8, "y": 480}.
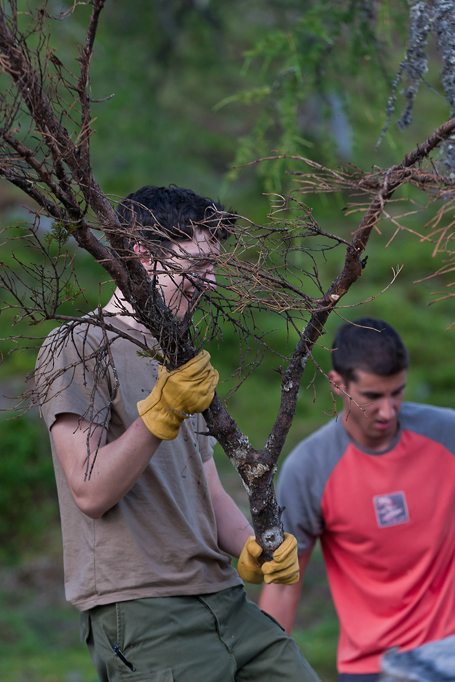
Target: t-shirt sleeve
{"x": 299, "y": 493}
{"x": 72, "y": 376}
{"x": 206, "y": 443}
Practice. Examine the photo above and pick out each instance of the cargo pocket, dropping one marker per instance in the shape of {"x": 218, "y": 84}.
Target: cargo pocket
{"x": 132, "y": 674}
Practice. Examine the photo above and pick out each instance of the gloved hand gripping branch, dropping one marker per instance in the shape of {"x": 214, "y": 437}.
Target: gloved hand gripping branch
{"x": 283, "y": 569}
{"x": 177, "y": 395}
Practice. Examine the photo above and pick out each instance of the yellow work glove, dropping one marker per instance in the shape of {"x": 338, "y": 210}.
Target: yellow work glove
{"x": 177, "y": 395}
{"x": 283, "y": 569}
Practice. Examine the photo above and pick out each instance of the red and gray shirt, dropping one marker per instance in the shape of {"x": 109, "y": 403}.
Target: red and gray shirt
{"x": 386, "y": 522}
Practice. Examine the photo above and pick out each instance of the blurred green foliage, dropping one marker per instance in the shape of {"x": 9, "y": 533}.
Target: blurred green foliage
{"x": 311, "y": 70}
{"x": 28, "y": 500}
{"x": 39, "y": 641}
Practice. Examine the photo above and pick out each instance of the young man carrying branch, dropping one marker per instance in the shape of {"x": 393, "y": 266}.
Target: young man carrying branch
{"x": 146, "y": 538}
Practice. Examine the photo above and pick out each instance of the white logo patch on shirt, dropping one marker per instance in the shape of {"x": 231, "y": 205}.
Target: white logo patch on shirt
{"x": 391, "y": 509}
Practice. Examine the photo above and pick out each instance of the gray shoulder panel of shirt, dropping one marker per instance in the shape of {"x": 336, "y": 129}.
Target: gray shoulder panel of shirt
{"x": 312, "y": 461}
{"x": 437, "y": 423}
{"x": 302, "y": 482}
{"x": 322, "y": 449}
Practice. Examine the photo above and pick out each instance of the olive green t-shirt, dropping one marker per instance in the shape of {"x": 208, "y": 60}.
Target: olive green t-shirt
{"x": 160, "y": 539}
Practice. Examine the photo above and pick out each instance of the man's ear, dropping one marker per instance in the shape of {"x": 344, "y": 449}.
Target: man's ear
{"x": 337, "y": 382}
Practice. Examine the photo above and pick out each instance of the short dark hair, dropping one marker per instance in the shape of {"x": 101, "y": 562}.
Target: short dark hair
{"x": 161, "y": 214}
{"x": 371, "y": 345}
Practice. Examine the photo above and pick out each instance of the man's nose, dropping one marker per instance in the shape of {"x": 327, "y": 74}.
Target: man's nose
{"x": 387, "y": 409}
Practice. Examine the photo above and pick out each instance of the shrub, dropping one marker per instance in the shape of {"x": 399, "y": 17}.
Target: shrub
{"x": 28, "y": 499}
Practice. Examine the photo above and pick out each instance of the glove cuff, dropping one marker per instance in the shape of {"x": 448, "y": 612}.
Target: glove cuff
{"x": 163, "y": 423}
{"x": 249, "y": 566}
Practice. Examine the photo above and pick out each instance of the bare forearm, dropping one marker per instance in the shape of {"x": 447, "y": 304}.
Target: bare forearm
{"x": 233, "y": 530}
{"x": 117, "y": 467}
{"x": 281, "y": 601}
{"x": 232, "y": 526}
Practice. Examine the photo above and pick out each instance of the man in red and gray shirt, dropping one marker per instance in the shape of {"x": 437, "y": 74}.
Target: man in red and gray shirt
{"x": 377, "y": 486}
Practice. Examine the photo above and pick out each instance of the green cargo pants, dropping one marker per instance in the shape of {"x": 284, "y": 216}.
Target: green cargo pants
{"x": 218, "y": 637}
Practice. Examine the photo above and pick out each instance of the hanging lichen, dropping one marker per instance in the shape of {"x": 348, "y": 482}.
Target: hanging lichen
{"x": 444, "y": 30}
{"x": 435, "y": 18}
{"x": 414, "y": 65}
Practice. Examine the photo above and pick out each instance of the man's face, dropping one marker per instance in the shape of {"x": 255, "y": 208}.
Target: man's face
{"x": 375, "y": 426}
{"x": 177, "y": 276}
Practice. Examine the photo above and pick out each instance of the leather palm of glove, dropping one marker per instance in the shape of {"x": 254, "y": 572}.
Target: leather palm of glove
{"x": 283, "y": 569}
{"x": 177, "y": 395}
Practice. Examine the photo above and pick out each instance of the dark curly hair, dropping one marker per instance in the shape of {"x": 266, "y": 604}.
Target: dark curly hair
{"x": 371, "y": 345}
{"x": 164, "y": 214}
